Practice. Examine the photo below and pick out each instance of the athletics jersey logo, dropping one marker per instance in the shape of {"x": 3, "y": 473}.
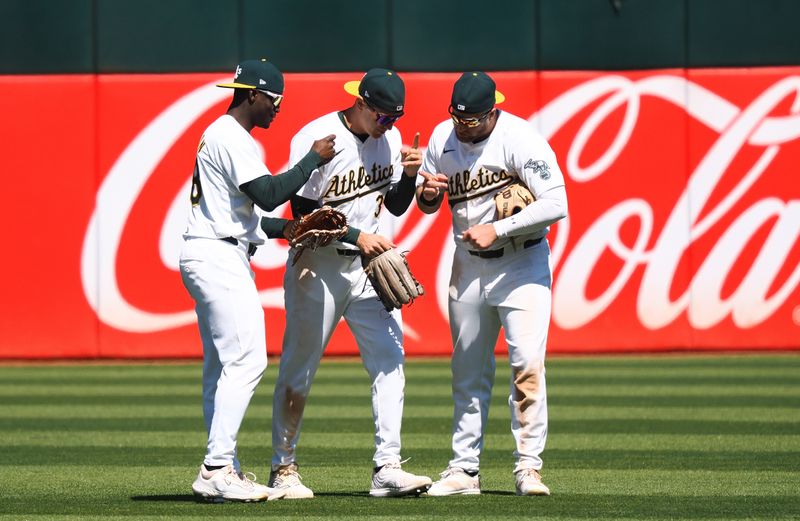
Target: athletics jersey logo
{"x": 350, "y": 185}
{"x": 538, "y": 167}
{"x": 463, "y": 186}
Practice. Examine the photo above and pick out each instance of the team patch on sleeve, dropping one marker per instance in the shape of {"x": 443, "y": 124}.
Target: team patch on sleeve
{"x": 538, "y": 167}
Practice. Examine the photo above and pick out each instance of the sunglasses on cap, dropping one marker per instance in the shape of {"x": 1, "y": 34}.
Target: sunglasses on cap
{"x": 382, "y": 118}
{"x": 275, "y": 98}
{"x": 468, "y": 122}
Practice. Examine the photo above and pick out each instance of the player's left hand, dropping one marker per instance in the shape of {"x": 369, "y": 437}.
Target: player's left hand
{"x": 480, "y": 236}
{"x": 411, "y": 158}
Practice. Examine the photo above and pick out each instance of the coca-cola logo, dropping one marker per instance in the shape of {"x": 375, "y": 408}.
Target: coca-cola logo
{"x": 643, "y": 263}
{"x": 749, "y": 304}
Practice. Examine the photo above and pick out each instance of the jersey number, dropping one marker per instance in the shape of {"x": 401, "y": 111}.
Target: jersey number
{"x": 380, "y": 203}
{"x": 197, "y": 189}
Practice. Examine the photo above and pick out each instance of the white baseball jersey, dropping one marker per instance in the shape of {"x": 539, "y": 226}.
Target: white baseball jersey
{"x": 329, "y": 284}
{"x": 219, "y": 278}
{"x": 477, "y": 171}
{"x": 355, "y": 182}
{"x": 508, "y": 290}
{"x": 227, "y": 157}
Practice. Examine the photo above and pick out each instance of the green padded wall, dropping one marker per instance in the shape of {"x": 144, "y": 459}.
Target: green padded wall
{"x": 49, "y": 36}
{"x": 312, "y": 35}
{"x": 456, "y": 35}
{"x": 110, "y": 36}
{"x": 167, "y": 35}
{"x": 593, "y": 34}
{"x": 744, "y": 32}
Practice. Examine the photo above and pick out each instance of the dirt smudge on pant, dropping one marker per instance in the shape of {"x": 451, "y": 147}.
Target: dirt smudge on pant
{"x": 526, "y": 386}
{"x": 294, "y": 404}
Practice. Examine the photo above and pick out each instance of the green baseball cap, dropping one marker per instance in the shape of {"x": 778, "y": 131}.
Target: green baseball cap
{"x": 475, "y": 92}
{"x": 381, "y": 88}
{"x": 256, "y": 74}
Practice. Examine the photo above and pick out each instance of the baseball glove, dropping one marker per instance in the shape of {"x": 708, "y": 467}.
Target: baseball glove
{"x": 512, "y": 199}
{"x": 319, "y": 228}
{"x": 392, "y": 279}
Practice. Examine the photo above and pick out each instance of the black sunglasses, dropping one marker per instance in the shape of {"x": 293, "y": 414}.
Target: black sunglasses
{"x": 383, "y": 118}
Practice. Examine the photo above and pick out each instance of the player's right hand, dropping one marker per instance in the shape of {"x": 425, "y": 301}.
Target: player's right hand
{"x": 372, "y": 244}
{"x": 324, "y": 147}
{"x": 433, "y": 185}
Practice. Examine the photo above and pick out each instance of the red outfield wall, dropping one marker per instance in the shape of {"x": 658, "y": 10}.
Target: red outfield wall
{"x": 683, "y": 228}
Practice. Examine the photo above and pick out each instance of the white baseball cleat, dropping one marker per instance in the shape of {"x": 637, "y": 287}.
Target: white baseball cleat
{"x": 286, "y": 478}
{"x": 226, "y": 484}
{"x": 529, "y": 483}
{"x": 455, "y": 481}
{"x": 393, "y": 481}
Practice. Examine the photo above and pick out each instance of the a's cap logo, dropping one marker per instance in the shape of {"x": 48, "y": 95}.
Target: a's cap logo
{"x": 461, "y": 107}
{"x": 261, "y": 82}
{"x": 399, "y": 108}
{"x": 366, "y": 94}
{"x": 238, "y": 71}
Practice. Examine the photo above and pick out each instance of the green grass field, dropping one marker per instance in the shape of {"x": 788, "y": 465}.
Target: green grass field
{"x": 649, "y": 437}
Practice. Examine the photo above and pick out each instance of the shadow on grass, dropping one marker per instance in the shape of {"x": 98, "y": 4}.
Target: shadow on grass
{"x": 341, "y": 494}
{"x": 176, "y": 498}
{"x": 188, "y": 498}
{"x": 364, "y": 494}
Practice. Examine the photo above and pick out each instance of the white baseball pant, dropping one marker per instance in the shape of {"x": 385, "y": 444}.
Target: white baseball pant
{"x": 231, "y": 321}
{"x": 320, "y": 289}
{"x": 512, "y": 292}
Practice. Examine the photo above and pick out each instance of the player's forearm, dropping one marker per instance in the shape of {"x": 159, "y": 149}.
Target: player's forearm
{"x": 400, "y": 195}
{"x": 549, "y": 208}
{"x": 269, "y": 192}
{"x": 273, "y": 226}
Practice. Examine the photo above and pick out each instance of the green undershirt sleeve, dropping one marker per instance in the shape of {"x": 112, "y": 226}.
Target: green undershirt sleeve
{"x": 271, "y": 191}
{"x": 351, "y": 236}
{"x": 273, "y": 226}
{"x": 400, "y": 195}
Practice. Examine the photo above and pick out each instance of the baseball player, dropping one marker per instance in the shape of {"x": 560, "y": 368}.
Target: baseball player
{"x": 501, "y": 273}
{"x": 222, "y": 234}
{"x": 370, "y": 170}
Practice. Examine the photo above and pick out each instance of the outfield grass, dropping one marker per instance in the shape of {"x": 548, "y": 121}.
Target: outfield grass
{"x": 650, "y": 437}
